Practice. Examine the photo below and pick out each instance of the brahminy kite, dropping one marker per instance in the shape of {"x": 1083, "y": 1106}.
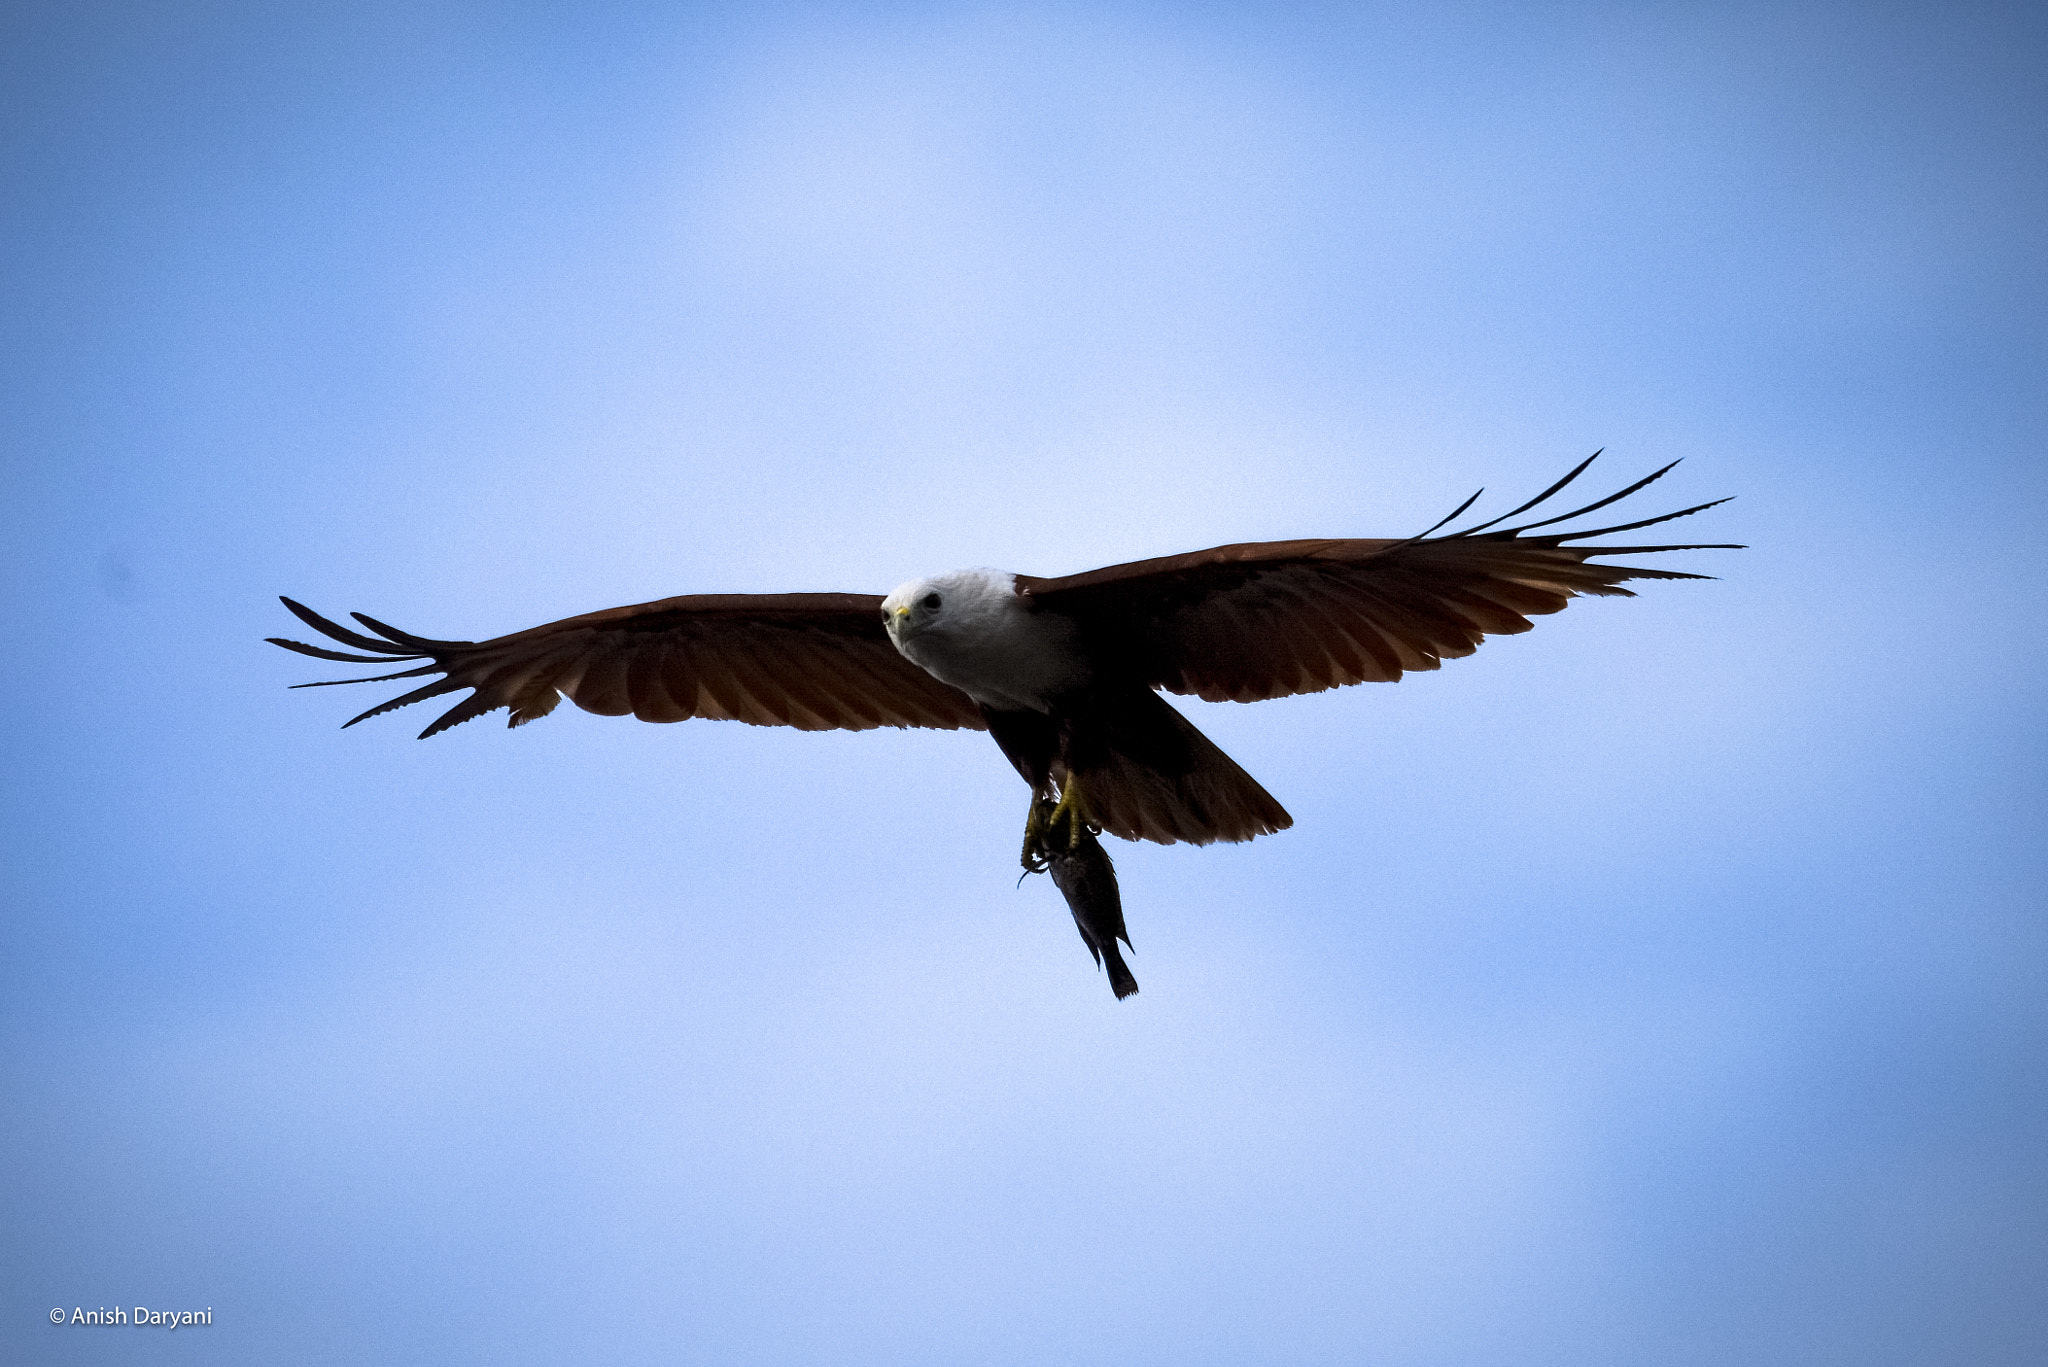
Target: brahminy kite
{"x": 1064, "y": 673}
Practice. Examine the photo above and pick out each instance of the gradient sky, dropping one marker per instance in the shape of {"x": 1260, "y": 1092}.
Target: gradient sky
{"x": 1665, "y": 986}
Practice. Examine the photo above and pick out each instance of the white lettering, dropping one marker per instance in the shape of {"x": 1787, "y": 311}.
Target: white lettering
{"x": 80, "y": 1315}
{"x": 169, "y": 1319}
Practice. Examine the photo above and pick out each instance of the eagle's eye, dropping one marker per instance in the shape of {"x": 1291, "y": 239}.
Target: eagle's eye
{"x": 885, "y": 617}
{"x": 931, "y": 602}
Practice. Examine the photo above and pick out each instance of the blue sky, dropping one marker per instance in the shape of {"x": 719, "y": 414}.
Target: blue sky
{"x": 1662, "y": 986}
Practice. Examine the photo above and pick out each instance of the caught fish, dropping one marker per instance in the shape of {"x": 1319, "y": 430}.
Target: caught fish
{"x": 1087, "y": 879}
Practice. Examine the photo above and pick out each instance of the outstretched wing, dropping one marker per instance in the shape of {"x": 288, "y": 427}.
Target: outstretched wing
{"x": 1264, "y": 620}
{"x": 815, "y": 661}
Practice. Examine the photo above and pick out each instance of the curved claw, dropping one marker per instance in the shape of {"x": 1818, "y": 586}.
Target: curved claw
{"x": 1054, "y": 829}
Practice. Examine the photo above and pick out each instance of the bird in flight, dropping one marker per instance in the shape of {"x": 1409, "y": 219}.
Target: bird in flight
{"x": 1065, "y": 674}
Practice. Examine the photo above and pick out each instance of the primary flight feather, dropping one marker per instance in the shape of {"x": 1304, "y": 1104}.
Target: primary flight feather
{"x": 1064, "y": 673}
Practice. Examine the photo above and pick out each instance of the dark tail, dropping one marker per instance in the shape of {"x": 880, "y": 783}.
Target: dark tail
{"x": 1087, "y": 879}
{"x": 1146, "y": 773}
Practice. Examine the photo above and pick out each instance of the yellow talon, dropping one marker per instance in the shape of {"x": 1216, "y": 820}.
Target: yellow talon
{"x": 1069, "y": 816}
{"x": 1055, "y": 828}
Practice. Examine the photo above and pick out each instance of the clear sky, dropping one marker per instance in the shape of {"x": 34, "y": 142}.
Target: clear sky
{"x": 1664, "y": 986}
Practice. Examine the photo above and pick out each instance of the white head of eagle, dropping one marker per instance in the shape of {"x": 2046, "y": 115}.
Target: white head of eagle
{"x": 973, "y": 630}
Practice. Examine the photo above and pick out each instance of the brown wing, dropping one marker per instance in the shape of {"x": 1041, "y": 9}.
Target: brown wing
{"x": 1264, "y": 620}
{"x": 815, "y": 661}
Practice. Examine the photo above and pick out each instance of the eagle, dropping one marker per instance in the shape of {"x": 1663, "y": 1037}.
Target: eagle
{"x": 1065, "y": 674}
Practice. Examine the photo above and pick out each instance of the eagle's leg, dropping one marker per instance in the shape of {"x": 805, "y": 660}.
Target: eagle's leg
{"x": 1053, "y": 828}
{"x": 1036, "y": 859}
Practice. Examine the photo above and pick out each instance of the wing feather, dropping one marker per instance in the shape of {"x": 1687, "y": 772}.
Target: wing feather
{"x": 718, "y": 693}
{"x": 838, "y": 686}
{"x": 1343, "y": 661}
{"x": 597, "y": 681}
{"x": 816, "y": 661}
{"x": 763, "y": 696}
{"x": 1316, "y": 641}
{"x": 1268, "y": 619}
{"x": 647, "y": 684}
